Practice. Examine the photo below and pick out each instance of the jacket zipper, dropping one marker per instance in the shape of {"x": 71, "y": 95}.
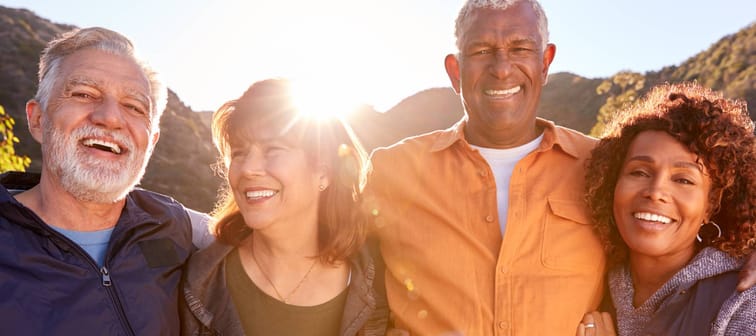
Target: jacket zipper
{"x": 105, "y": 274}
{"x": 108, "y": 284}
{"x": 105, "y": 277}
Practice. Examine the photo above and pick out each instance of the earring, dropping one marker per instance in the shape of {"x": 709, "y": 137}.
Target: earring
{"x": 322, "y": 187}
{"x": 719, "y": 231}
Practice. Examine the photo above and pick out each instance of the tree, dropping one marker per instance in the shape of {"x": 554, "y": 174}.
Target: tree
{"x": 623, "y": 88}
{"x": 8, "y": 158}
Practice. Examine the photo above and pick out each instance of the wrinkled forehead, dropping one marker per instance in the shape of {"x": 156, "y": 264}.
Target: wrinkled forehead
{"x": 106, "y": 66}
{"x": 134, "y": 89}
{"x": 104, "y": 70}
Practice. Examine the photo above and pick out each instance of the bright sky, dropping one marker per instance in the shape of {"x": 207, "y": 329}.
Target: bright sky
{"x": 379, "y": 51}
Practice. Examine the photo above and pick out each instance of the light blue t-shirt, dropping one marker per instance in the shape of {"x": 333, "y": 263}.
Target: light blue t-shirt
{"x": 502, "y": 163}
{"x": 95, "y": 243}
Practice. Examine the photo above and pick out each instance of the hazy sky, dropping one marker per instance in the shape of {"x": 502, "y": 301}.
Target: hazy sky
{"x": 379, "y": 51}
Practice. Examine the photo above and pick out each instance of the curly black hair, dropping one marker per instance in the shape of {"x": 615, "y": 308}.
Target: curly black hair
{"x": 718, "y": 130}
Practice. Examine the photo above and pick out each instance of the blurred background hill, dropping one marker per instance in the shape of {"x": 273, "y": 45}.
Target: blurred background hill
{"x": 181, "y": 164}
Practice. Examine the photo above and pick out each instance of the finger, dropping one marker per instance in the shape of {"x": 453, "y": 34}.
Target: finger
{"x": 598, "y": 324}
{"x": 607, "y": 324}
{"x": 589, "y": 331}
{"x": 580, "y": 330}
{"x": 589, "y": 326}
{"x": 747, "y": 275}
{"x": 589, "y": 319}
{"x": 606, "y": 318}
{"x": 586, "y": 329}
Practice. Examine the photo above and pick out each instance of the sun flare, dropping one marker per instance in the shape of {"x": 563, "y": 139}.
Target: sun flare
{"x": 317, "y": 101}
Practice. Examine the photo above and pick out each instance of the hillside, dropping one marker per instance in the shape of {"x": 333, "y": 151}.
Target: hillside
{"x": 728, "y": 65}
{"x": 22, "y": 37}
{"x": 181, "y": 164}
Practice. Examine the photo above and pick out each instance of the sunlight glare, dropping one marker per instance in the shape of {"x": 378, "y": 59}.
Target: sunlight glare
{"x": 319, "y": 101}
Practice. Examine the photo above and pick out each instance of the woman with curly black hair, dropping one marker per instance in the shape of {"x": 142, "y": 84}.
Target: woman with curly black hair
{"x": 672, "y": 188}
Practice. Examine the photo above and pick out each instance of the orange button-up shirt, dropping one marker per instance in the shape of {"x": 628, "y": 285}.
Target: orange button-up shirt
{"x": 450, "y": 271}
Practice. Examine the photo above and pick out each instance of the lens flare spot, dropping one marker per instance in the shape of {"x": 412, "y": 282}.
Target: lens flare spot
{"x": 344, "y": 150}
{"x": 409, "y": 284}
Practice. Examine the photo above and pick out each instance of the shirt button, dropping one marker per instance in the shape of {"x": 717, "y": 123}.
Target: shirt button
{"x": 489, "y": 219}
{"x": 502, "y": 325}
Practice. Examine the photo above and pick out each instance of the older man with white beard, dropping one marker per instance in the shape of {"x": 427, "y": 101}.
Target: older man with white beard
{"x": 82, "y": 251}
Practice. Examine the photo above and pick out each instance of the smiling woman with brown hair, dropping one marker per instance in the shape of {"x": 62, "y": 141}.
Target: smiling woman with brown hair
{"x": 290, "y": 258}
{"x": 671, "y": 188}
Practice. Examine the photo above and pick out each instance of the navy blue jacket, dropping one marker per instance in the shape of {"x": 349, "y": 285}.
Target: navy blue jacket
{"x": 51, "y": 286}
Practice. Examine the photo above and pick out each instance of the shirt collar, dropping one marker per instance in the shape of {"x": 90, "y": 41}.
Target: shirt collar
{"x": 450, "y": 135}
{"x": 556, "y": 136}
{"x": 552, "y": 137}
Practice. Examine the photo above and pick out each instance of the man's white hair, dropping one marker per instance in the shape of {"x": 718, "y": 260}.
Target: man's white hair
{"x": 99, "y": 39}
{"x": 471, "y": 5}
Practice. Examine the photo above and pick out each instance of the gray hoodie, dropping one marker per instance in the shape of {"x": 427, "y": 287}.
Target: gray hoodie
{"x": 700, "y": 299}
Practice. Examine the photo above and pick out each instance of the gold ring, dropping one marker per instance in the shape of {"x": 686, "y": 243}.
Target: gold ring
{"x": 590, "y": 325}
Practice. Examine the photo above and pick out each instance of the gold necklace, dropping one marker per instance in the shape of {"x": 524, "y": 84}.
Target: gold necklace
{"x": 265, "y": 275}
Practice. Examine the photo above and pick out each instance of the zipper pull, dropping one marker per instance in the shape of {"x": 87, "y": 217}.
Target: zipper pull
{"x": 105, "y": 277}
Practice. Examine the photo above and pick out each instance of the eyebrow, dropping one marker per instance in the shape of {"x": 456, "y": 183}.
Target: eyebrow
{"x": 477, "y": 44}
{"x": 138, "y": 95}
{"x": 676, "y": 164}
{"x": 86, "y": 81}
{"x": 523, "y": 40}
{"x": 519, "y": 40}
{"x": 75, "y": 81}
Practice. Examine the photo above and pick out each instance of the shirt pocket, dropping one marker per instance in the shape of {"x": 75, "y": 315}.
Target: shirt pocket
{"x": 569, "y": 241}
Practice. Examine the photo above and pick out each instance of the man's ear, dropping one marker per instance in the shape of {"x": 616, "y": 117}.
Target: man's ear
{"x": 153, "y": 143}
{"x": 548, "y": 57}
{"x": 452, "y": 70}
{"x": 34, "y": 119}
{"x": 155, "y": 138}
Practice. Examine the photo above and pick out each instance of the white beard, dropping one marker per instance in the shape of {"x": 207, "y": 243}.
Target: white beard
{"x": 87, "y": 178}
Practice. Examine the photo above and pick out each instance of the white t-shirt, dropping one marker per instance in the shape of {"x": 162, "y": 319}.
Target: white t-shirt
{"x": 502, "y": 163}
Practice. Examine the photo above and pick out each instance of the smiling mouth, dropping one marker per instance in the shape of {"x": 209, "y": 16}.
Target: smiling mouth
{"x": 103, "y": 145}
{"x": 502, "y": 93}
{"x": 651, "y": 217}
{"x": 260, "y": 194}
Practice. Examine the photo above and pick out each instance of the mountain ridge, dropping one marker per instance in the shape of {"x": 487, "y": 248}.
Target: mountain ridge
{"x": 181, "y": 165}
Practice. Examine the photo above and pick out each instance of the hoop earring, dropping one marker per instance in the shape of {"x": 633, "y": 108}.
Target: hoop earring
{"x": 719, "y": 230}
{"x": 322, "y": 187}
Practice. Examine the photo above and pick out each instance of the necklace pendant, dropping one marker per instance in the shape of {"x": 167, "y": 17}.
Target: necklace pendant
{"x": 284, "y": 299}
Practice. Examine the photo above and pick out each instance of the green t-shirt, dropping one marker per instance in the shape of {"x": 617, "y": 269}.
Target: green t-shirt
{"x": 261, "y": 314}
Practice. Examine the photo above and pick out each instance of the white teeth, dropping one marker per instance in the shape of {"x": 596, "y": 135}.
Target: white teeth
{"x": 652, "y": 217}
{"x": 101, "y": 143}
{"x": 503, "y": 92}
{"x": 260, "y": 193}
